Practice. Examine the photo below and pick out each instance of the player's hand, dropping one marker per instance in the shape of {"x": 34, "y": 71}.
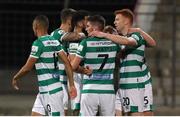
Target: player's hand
{"x": 72, "y": 92}
{"x": 80, "y": 36}
{"x": 14, "y": 84}
{"x": 131, "y": 30}
{"x": 96, "y": 34}
{"x": 88, "y": 70}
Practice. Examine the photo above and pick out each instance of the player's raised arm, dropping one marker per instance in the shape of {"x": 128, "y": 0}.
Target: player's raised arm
{"x": 72, "y": 36}
{"x": 149, "y": 40}
{"x": 115, "y": 38}
{"x": 23, "y": 71}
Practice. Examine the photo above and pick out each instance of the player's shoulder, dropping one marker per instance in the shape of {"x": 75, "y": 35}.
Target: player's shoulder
{"x": 135, "y": 35}
{"x": 57, "y": 31}
{"x": 93, "y": 38}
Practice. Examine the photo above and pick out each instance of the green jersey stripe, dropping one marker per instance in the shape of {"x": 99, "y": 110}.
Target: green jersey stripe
{"x": 99, "y": 91}
{"x": 131, "y": 63}
{"x": 48, "y": 82}
{"x": 133, "y": 74}
{"x": 52, "y": 91}
{"x": 97, "y": 61}
{"x": 56, "y": 114}
{"x": 55, "y": 90}
{"x": 92, "y": 55}
{"x": 103, "y": 49}
{"x": 132, "y": 85}
{"x": 86, "y": 81}
{"x": 45, "y": 71}
{"x": 97, "y": 66}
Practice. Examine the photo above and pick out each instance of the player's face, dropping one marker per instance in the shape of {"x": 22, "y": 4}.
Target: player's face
{"x": 69, "y": 24}
{"x": 81, "y": 24}
{"x": 119, "y": 22}
{"x": 89, "y": 27}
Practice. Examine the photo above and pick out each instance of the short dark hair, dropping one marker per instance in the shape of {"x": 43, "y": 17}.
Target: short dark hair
{"x": 78, "y": 16}
{"x": 97, "y": 20}
{"x": 109, "y": 29}
{"x": 42, "y": 21}
{"x": 126, "y": 13}
{"x": 67, "y": 13}
{"x": 84, "y": 12}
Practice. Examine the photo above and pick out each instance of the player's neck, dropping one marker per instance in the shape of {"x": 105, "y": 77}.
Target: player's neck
{"x": 41, "y": 33}
{"x": 78, "y": 29}
{"x": 125, "y": 31}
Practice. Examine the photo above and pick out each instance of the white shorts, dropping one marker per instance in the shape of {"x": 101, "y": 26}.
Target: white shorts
{"x": 49, "y": 104}
{"x": 65, "y": 97}
{"x": 91, "y": 103}
{"x": 38, "y": 106}
{"x": 75, "y": 103}
{"x": 130, "y": 100}
{"x": 118, "y": 104}
{"x": 148, "y": 97}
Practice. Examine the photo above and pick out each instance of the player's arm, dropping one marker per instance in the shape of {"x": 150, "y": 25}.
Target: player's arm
{"x": 75, "y": 63}
{"x": 149, "y": 40}
{"x": 69, "y": 72}
{"x": 83, "y": 70}
{"x": 80, "y": 69}
{"x": 115, "y": 38}
{"x": 23, "y": 71}
{"x": 72, "y": 36}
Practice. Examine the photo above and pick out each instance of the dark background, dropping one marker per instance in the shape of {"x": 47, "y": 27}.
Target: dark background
{"x": 16, "y": 18}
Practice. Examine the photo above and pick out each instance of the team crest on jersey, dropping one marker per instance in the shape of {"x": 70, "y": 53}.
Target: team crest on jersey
{"x": 34, "y": 49}
{"x": 80, "y": 48}
{"x": 61, "y": 32}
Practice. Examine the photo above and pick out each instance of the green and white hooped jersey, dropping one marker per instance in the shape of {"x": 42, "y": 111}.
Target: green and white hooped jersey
{"x": 45, "y": 49}
{"x": 132, "y": 68}
{"x": 99, "y": 54}
{"x": 73, "y": 45}
{"x": 58, "y": 34}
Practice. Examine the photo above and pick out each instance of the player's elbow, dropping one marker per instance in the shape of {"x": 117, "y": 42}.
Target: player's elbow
{"x": 152, "y": 44}
{"x": 74, "y": 67}
{"x": 26, "y": 69}
{"x": 130, "y": 43}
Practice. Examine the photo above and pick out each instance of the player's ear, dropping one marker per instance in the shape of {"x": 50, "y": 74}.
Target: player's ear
{"x": 69, "y": 22}
{"x": 81, "y": 24}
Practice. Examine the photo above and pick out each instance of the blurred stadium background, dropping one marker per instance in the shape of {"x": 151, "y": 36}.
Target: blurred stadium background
{"x": 160, "y": 18}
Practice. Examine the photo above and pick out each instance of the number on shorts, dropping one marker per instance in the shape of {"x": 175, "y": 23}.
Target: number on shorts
{"x": 104, "y": 61}
{"x": 126, "y": 101}
{"x": 49, "y": 108}
{"x": 146, "y": 100}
